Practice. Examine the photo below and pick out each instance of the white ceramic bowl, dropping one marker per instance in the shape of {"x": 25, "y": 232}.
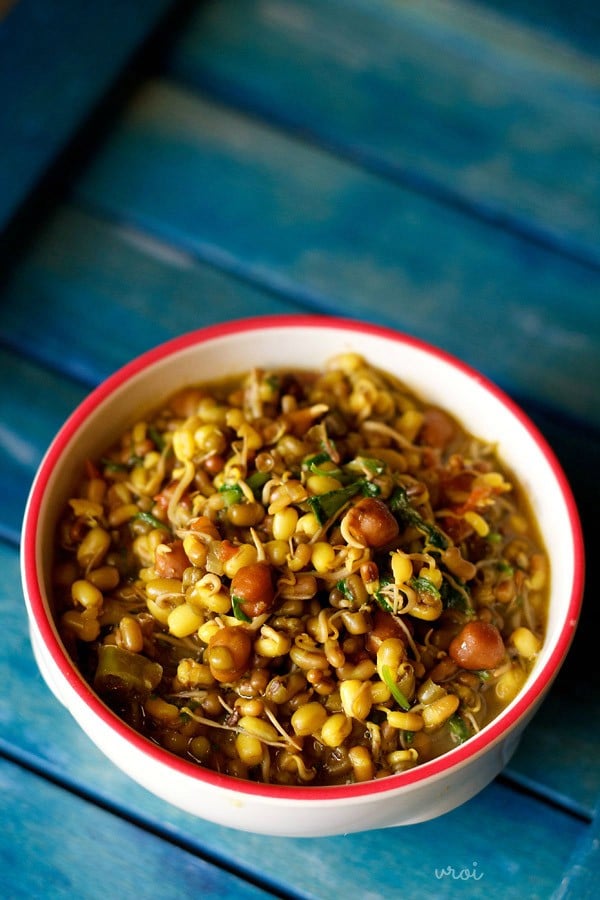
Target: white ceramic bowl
{"x": 415, "y": 795}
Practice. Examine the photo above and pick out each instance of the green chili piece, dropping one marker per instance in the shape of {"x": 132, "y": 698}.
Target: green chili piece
{"x": 256, "y": 482}
{"x": 370, "y": 463}
{"x": 314, "y": 465}
{"x": 122, "y": 671}
{"x": 312, "y": 462}
{"x": 324, "y": 506}
{"x": 397, "y": 694}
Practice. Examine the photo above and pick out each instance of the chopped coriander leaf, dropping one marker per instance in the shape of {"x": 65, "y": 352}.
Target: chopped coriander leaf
{"x": 483, "y": 674}
{"x": 238, "y": 612}
{"x": 383, "y": 602}
{"x": 453, "y": 598}
{"x": 149, "y": 519}
{"x": 343, "y": 587}
{"x": 459, "y": 728}
{"x": 114, "y": 466}
{"x": 324, "y": 506}
{"x": 395, "y": 691}
{"x": 156, "y": 438}
{"x": 423, "y": 585}
{"x": 402, "y": 507}
{"x": 232, "y": 493}
{"x": 370, "y": 489}
{"x": 380, "y": 598}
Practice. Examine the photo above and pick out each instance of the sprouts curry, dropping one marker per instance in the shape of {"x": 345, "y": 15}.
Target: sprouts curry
{"x": 301, "y": 578}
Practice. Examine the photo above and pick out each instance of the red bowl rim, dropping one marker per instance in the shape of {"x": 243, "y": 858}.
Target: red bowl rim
{"x": 496, "y": 730}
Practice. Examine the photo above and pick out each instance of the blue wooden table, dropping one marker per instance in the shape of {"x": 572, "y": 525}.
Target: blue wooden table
{"x": 430, "y": 164}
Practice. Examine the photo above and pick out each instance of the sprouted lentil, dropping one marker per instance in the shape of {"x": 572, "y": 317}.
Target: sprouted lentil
{"x": 302, "y": 578}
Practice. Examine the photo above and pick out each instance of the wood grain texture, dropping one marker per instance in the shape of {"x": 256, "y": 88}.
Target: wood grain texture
{"x": 33, "y": 405}
{"x": 83, "y": 851}
{"x": 56, "y": 62}
{"x": 580, "y": 880}
{"x": 496, "y": 830}
{"x": 447, "y": 97}
{"x": 577, "y": 22}
{"x": 324, "y": 233}
{"x": 101, "y": 294}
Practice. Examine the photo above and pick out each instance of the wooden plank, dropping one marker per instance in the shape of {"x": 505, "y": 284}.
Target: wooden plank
{"x": 580, "y": 880}
{"x": 74, "y": 53}
{"x": 54, "y": 844}
{"x": 33, "y": 405}
{"x": 293, "y": 219}
{"x": 495, "y": 830}
{"x": 101, "y": 294}
{"x": 449, "y": 98}
{"x": 576, "y": 22}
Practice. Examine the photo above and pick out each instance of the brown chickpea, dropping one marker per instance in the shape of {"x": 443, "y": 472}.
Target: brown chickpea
{"x": 438, "y": 428}
{"x": 253, "y": 585}
{"x": 211, "y": 705}
{"x": 228, "y": 653}
{"x": 371, "y": 522}
{"x": 478, "y": 645}
{"x": 384, "y": 626}
{"x": 170, "y": 560}
{"x": 185, "y": 402}
{"x": 214, "y": 464}
{"x": 255, "y": 683}
{"x": 443, "y": 670}
{"x": 162, "y": 500}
